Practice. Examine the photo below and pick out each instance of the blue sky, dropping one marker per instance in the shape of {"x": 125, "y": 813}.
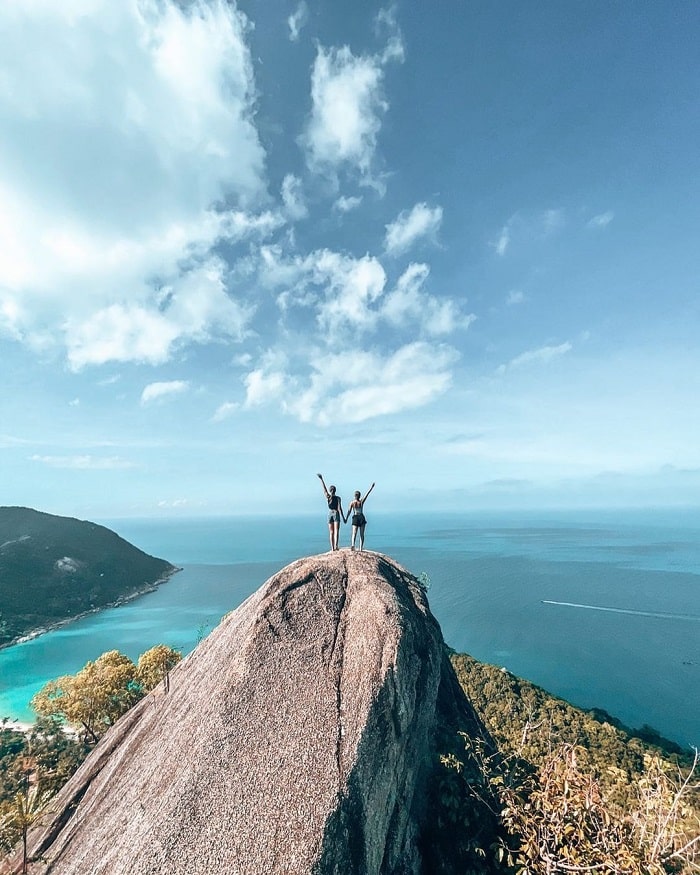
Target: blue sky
{"x": 450, "y": 247}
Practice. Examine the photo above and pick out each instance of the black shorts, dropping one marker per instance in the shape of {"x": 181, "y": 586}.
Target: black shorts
{"x": 333, "y": 516}
{"x": 358, "y": 519}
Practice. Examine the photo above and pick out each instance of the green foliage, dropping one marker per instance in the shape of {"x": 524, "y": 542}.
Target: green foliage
{"x": 461, "y": 829}
{"x": 575, "y": 794}
{"x": 97, "y": 696}
{"x": 525, "y": 719}
{"x": 18, "y": 815}
{"x": 155, "y": 664}
{"x": 34, "y": 765}
{"x": 46, "y": 752}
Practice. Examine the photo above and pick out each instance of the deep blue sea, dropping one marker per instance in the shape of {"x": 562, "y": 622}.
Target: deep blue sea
{"x": 600, "y": 608}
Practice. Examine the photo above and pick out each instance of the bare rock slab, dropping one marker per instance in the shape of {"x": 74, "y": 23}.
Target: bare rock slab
{"x": 299, "y": 737}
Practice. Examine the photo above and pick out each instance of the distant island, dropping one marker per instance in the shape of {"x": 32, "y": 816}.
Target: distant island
{"x": 55, "y": 568}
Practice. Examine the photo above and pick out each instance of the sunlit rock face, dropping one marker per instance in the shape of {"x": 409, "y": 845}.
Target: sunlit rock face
{"x": 299, "y": 737}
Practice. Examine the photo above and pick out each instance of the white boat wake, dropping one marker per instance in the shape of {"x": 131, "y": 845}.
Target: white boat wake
{"x": 660, "y": 614}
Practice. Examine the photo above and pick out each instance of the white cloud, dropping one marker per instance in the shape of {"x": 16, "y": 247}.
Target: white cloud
{"x": 349, "y": 297}
{"x": 529, "y": 227}
{"x": 293, "y": 197}
{"x": 345, "y": 204}
{"x": 157, "y": 391}
{"x": 502, "y": 241}
{"x": 85, "y": 463}
{"x": 195, "y": 307}
{"x": 385, "y": 23}
{"x": 542, "y": 355}
{"x": 124, "y": 131}
{"x": 179, "y": 502}
{"x": 515, "y": 296}
{"x": 601, "y": 221}
{"x": 352, "y": 285}
{"x": 408, "y": 303}
{"x": 263, "y": 386}
{"x": 268, "y": 382}
{"x": 348, "y": 106}
{"x": 371, "y": 385}
{"x": 421, "y": 221}
{"x": 297, "y": 20}
{"x": 342, "y": 290}
{"x": 225, "y": 410}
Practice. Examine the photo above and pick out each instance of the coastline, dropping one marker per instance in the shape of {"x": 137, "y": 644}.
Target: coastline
{"x": 122, "y": 600}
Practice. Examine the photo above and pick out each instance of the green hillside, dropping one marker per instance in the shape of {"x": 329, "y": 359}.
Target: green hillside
{"x": 526, "y": 721}
{"x": 53, "y": 568}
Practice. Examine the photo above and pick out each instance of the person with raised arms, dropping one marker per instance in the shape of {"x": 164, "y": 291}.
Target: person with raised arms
{"x": 359, "y": 521}
{"x": 335, "y": 512}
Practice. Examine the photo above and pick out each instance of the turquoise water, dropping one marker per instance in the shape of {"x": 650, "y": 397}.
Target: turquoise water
{"x": 602, "y": 609}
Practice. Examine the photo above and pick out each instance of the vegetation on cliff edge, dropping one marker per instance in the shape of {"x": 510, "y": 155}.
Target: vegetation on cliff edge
{"x": 573, "y": 792}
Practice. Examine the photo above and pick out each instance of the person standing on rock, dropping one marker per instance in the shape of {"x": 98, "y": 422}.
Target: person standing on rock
{"x": 359, "y": 520}
{"x": 335, "y": 512}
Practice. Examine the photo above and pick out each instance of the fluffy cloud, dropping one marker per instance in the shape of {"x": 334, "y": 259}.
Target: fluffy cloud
{"x": 193, "y": 307}
{"x": 347, "y": 109}
{"x": 225, "y": 410}
{"x": 125, "y": 130}
{"x": 158, "y": 391}
{"x": 371, "y": 385}
{"x": 297, "y": 20}
{"x": 421, "y": 221}
{"x": 263, "y": 385}
{"x": 293, "y": 197}
{"x": 343, "y": 291}
{"x": 351, "y": 286}
{"x": 408, "y": 303}
{"x": 268, "y": 382}
{"x": 345, "y": 204}
{"x": 349, "y": 296}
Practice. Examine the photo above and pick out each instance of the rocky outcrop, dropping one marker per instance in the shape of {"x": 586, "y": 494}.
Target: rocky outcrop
{"x": 301, "y": 736}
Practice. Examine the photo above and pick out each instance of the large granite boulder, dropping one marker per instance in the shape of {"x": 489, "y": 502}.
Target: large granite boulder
{"x": 301, "y": 736}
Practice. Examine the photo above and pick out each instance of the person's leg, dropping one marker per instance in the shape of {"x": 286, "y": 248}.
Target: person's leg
{"x": 362, "y": 538}
{"x": 354, "y": 536}
{"x": 331, "y": 526}
{"x": 336, "y": 528}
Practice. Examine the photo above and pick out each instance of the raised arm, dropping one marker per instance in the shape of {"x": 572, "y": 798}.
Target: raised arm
{"x": 367, "y": 493}
{"x": 323, "y": 483}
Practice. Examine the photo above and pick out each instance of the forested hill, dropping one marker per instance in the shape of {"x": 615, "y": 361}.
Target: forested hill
{"x": 53, "y": 568}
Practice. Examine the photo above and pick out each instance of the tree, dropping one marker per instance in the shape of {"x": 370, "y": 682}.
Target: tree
{"x": 95, "y": 698}
{"x": 19, "y": 815}
{"x": 155, "y": 664}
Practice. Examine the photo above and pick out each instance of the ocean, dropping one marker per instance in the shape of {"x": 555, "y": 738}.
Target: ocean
{"x": 600, "y": 608}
